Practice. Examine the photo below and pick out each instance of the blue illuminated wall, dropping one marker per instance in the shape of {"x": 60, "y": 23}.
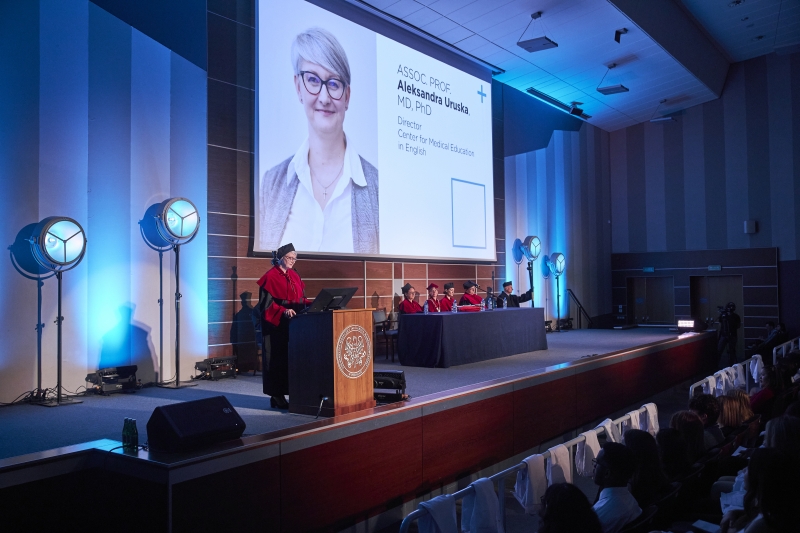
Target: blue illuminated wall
{"x": 97, "y": 122}
{"x": 561, "y": 193}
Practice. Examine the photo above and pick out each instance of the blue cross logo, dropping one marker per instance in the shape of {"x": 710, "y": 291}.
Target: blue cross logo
{"x": 481, "y": 93}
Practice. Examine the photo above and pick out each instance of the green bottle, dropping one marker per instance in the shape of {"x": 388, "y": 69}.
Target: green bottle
{"x": 134, "y": 435}
{"x": 126, "y": 434}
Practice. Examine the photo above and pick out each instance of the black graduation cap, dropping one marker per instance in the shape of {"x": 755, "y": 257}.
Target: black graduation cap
{"x": 506, "y": 284}
{"x": 285, "y": 249}
{"x": 448, "y": 286}
{"x": 405, "y": 288}
{"x": 468, "y": 284}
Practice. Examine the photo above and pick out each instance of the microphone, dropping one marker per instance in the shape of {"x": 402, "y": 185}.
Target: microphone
{"x": 305, "y": 306}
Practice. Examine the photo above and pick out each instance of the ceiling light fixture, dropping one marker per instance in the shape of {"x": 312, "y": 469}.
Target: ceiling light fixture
{"x": 619, "y": 33}
{"x": 758, "y": 37}
{"x": 660, "y": 119}
{"x": 735, "y": 3}
{"x": 539, "y": 43}
{"x": 611, "y": 89}
{"x": 558, "y": 104}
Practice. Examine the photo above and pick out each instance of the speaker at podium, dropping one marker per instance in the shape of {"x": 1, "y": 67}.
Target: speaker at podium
{"x": 331, "y": 356}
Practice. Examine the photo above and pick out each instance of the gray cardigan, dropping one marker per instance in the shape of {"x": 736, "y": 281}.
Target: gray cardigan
{"x": 277, "y": 197}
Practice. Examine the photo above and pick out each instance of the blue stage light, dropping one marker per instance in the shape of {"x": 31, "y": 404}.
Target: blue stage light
{"x": 178, "y": 221}
{"x": 58, "y": 243}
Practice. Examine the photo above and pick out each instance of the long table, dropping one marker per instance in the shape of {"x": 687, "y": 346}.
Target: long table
{"x": 449, "y": 339}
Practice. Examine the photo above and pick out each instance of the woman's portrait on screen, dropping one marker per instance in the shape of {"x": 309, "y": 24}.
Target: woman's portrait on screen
{"x": 324, "y": 198}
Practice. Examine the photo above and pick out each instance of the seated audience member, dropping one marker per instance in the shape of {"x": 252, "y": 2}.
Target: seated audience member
{"x": 771, "y": 494}
{"x": 769, "y": 334}
{"x": 566, "y": 509}
{"x": 783, "y": 433}
{"x": 674, "y": 453}
{"x": 409, "y": 305}
{"x": 691, "y": 427}
{"x": 449, "y": 298}
{"x": 433, "y": 302}
{"x": 706, "y": 407}
{"x": 648, "y": 481}
{"x": 761, "y": 402}
{"x": 615, "y": 505}
{"x": 793, "y": 409}
{"x": 470, "y": 296}
{"x": 733, "y": 413}
{"x": 511, "y": 299}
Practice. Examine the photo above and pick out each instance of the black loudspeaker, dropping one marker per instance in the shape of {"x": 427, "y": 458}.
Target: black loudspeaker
{"x": 185, "y": 426}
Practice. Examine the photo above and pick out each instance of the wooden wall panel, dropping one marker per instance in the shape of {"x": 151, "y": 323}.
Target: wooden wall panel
{"x": 455, "y": 273}
{"x": 459, "y": 441}
{"x": 222, "y": 289}
{"x": 221, "y": 246}
{"x": 415, "y": 271}
{"x": 330, "y": 269}
{"x": 228, "y": 311}
{"x": 331, "y": 486}
{"x": 252, "y": 495}
{"x": 376, "y": 270}
{"x": 379, "y": 287}
{"x": 543, "y": 412}
{"x": 601, "y": 391}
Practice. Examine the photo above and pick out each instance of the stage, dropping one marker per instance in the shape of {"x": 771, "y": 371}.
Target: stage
{"x": 292, "y": 473}
{"x": 28, "y": 428}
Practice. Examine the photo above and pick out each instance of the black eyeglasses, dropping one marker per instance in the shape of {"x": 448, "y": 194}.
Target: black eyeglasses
{"x": 313, "y": 84}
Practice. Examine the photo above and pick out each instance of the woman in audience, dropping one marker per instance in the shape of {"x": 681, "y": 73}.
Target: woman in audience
{"x": 691, "y": 427}
{"x": 771, "y": 492}
{"x": 733, "y": 413}
{"x": 674, "y": 453}
{"x": 783, "y": 433}
{"x": 648, "y": 481}
{"x": 761, "y": 402}
{"x": 566, "y": 510}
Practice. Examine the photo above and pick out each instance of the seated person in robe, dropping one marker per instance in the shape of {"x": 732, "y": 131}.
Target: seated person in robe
{"x": 409, "y": 305}
{"x": 470, "y": 296}
{"x": 449, "y": 298}
{"x": 511, "y": 299}
{"x": 434, "y": 306}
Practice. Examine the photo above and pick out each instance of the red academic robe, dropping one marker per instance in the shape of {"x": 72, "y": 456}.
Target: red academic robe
{"x": 409, "y": 307}
{"x": 434, "y": 306}
{"x": 286, "y": 289}
{"x": 447, "y": 304}
{"x": 470, "y": 299}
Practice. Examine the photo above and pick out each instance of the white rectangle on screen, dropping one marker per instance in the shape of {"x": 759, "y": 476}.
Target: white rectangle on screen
{"x": 469, "y": 214}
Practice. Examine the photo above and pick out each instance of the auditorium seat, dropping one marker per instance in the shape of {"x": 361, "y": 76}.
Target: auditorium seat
{"x": 382, "y": 325}
{"x": 643, "y": 523}
{"x": 667, "y": 506}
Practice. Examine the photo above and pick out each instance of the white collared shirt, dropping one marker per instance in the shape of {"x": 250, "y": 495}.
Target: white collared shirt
{"x": 615, "y": 508}
{"x": 312, "y": 229}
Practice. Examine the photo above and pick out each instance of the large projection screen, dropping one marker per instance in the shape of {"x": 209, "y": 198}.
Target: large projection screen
{"x": 366, "y": 147}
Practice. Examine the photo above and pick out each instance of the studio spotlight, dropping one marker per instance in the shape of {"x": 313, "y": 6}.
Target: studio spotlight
{"x": 177, "y": 223}
{"x": 557, "y": 265}
{"x": 58, "y": 244}
{"x": 531, "y": 248}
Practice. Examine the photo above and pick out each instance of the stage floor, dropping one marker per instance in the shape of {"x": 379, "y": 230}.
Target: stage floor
{"x": 28, "y": 428}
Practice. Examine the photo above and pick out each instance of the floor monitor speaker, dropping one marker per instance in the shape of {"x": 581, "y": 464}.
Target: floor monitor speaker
{"x": 186, "y": 426}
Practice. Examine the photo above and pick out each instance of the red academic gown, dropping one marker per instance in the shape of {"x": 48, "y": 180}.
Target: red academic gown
{"x": 434, "y": 306}
{"x": 446, "y": 304}
{"x": 409, "y": 307}
{"x": 470, "y": 299}
{"x": 278, "y": 292}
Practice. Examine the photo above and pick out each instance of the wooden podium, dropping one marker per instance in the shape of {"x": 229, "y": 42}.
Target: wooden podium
{"x": 330, "y": 355}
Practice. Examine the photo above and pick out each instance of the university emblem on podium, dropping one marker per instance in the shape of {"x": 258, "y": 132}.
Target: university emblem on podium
{"x": 353, "y": 351}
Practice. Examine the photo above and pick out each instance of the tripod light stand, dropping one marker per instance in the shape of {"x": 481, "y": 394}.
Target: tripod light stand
{"x": 177, "y": 223}
{"x": 58, "y": 244}
{"x": 557, "y": 264}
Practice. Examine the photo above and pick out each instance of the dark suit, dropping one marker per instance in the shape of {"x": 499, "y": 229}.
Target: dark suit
{"x": 513, "y": 299}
